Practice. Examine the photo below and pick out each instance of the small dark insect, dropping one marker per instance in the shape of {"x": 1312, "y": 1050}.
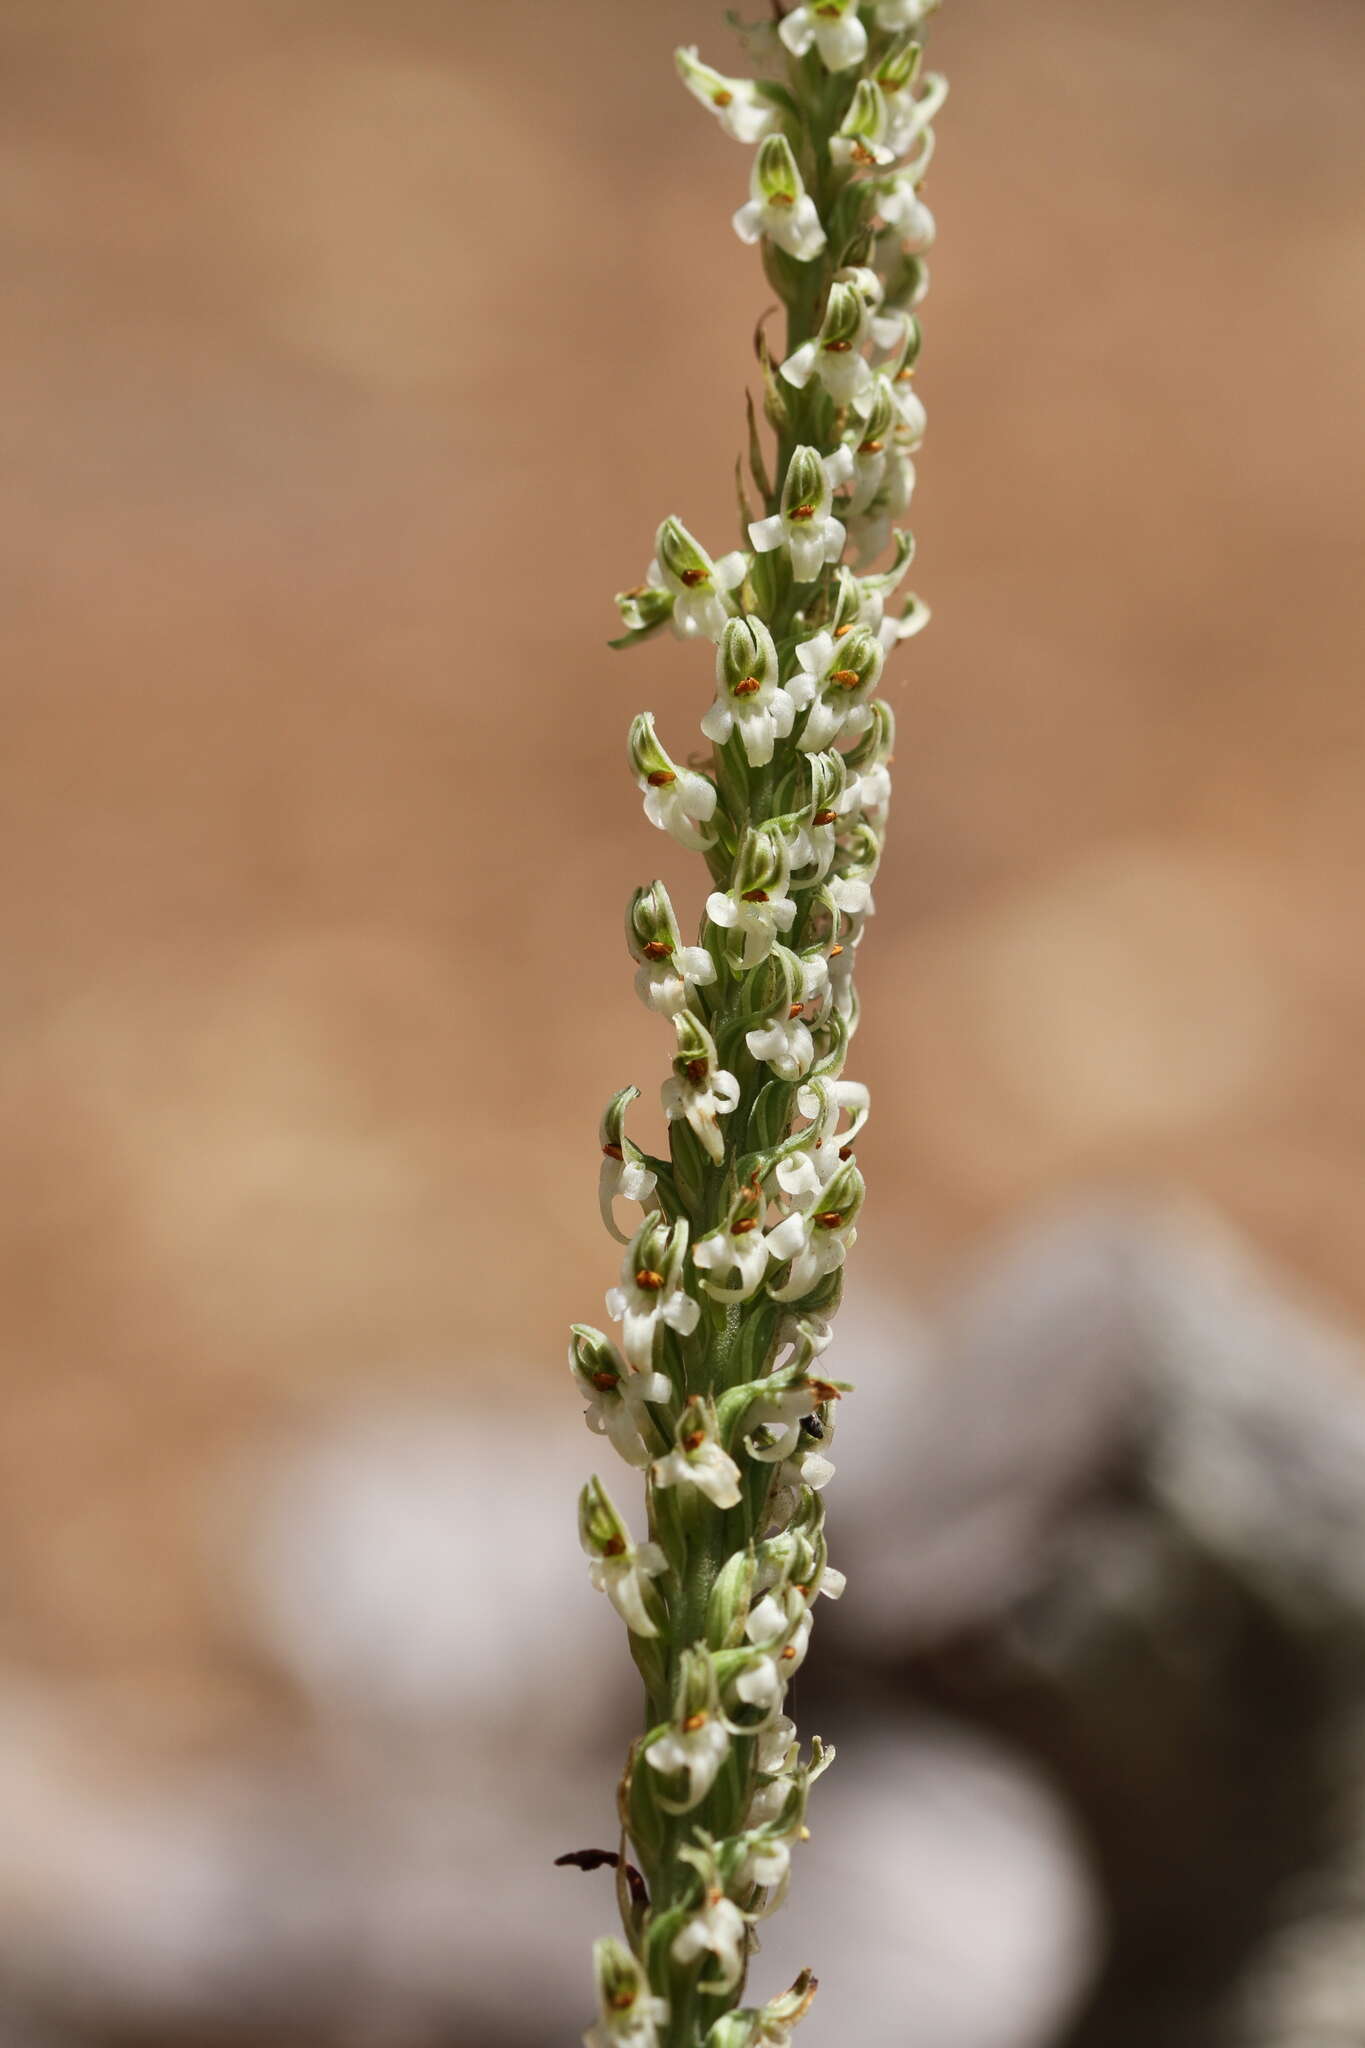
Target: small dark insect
{"x": 596, "y": 1859}
{"x": 812, "y": 1426}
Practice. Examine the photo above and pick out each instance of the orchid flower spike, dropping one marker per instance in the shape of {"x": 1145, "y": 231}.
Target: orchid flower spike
{"x": 735, "y": 1227}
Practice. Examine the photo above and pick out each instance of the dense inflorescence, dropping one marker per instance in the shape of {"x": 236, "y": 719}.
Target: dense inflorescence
{"x": 716, "y": 1388}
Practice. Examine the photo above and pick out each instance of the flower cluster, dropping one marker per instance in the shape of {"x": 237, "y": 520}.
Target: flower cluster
{"x": 714, "y": 1387}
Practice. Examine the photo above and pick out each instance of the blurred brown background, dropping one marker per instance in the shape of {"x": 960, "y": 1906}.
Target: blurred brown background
{"x": 353, "y": 350}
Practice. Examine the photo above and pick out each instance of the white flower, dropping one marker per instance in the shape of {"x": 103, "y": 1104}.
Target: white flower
{"x": 874, "y": 791}
{"x": 623, "y": 1577}
{"x": 638, "y": 2028}
{"x": 617, "y": 1396}
{"x": 779, "y": 205}
{"x": 698, "y": 586}
{"x": 698, "y": 1089}
{"x": 896, "y": 627}
{"x": 781, "y": 1625}
{"x": 835, "y": 355}
{"x": 844, "y": 670}
{"x": 806, "y": 525}
{"x": 759, "y": 916}
{"x": 768, "y": 1801}
{"x": 677, "y": 800}
{"x": 852, "y": 894}
{"x": 618, "y": 1412}
{"x": 833, "y": 26}
{"x": 773, "y": 1425}
{"x": 623, "y": 1173}
{"x": 622, "y": 1179}
{"x": 718, "y": 1929}
{"x": 786, "y": 1045}
{"x": 739, "y": 1248}
{"x": 756, "y": 906}
{"x": 816, "y": 1244}
{"x": 807, "y": 1173}
{"x": 651, "y": 1296}
{"x": 617, "y": 1567}
{"x": 898, "y": 14}
{"x": 809, "y": 1466}
{"x": 910, "y": 409}
{"x": 663, "y": 979}
{"x": 872, "y": 528}
{"x": 773, "y": 1751}
{"x": 680, "y": 802}
{"x": 748, "y": 694}
{"x": 699, "y": 1461}
{"x": 906, "y": 214}
{"x": 668, "y": 971}
{"x": 841, "y": 965}
{"x": 630, "y": 2014}
{"x": 699, "y": 1747}
{"x": 911, "y": 114}
{"x": 813, "y": 845}
{"x": 808, "y": 1335}
{"x": 865, "y": 131}
{"x": 868, "y": 443}
{"x": 767, "y": 1862}
{"x": 760, "y": 1685}
{"x": 736, "y": 102}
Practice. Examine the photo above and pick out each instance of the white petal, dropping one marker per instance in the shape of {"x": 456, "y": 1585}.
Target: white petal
{"x": 729, "y": 572}
{"x": 842, "y": 43}
{"x": 786, "y": 1238}
{"x": 807, "y": 552}
{"x": 838, "y": 467}
{"x": 766, "y": 534}
{"x": 756, "y": 732}
{"x": 718, "y": 722}
{"x": 798, "y": 367}
{"x": 748, "y": 221}
{"x": 816, "y": 655}
{"x": 722, "y": 909}
{"x": 797, "y": 31}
